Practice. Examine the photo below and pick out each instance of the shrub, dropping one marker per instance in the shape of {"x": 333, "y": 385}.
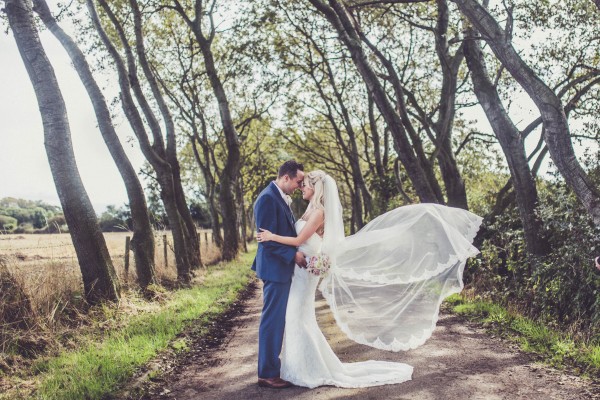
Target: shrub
{"x": 111, "y": 224}
{"x": 8, "y": 223}
{"x": 563, "y": 288}
{"x": 25, "y": 228}
{"x": 567, "y": 286}
{"x": 116, "y": 219}
{"x": 57, "y": 224}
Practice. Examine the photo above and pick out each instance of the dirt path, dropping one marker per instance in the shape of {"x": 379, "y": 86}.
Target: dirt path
{"x": 460, "y": 361}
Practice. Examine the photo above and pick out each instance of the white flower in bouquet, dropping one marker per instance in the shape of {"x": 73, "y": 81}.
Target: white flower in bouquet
{"x": 319, "y": 264}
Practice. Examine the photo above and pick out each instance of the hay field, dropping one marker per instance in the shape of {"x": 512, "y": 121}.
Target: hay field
{"x": 47, "y": 267}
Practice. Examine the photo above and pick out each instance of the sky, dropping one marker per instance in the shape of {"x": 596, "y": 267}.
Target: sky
{"x": 24, "y": 169}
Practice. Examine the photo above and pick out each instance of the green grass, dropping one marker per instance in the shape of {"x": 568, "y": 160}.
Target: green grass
{"x": 101, "y": 366}
{"x": 556, "y": 348}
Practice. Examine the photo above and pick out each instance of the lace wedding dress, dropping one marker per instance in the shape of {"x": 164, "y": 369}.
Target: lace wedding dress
{"x": 384, "y": 289}
{"x": 307, "y": 359}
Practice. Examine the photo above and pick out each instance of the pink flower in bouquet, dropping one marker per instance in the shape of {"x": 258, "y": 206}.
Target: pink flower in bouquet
{"x": 318, "y": 264}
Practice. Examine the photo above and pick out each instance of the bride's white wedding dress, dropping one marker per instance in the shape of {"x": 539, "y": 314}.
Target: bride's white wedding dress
{"x": 306, "y": 358}
{"x": 385, "y": 287}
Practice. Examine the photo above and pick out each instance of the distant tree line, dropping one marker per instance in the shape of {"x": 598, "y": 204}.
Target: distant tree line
{"x": 27, "y": 216}
{"x": 36, "y": 216}
{"x": 118, "y": 219}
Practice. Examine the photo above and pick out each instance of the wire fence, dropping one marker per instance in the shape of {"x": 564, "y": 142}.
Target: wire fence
{"x": 40, "y": 247}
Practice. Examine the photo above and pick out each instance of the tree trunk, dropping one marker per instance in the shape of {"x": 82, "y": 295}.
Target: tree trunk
{"x": 383, "y": 194}
{"x": 168, "y": 197}
{"x": 190, "y": 231}
{"x": 557, "y": 135}
{"x": 357, "y": 204}
{"x": 350, "y": 148}
{"x": 242, "y": 215}
{"x": 417, "y": 143}
{"x": 99, "y": 278}
{"x": 512, "y": 144}
{"x": 355, "y": 212}
{"x": 337, "y": 14}
{"x": 230, "y": 226}
{"x": 360, "y": 185}
{"x": 155, "y": 153}
{"x": 209, "y": 180}
{"x": 230, "y": 173}
{"x": 455, "y": 186}
{"x": 348, "y": 144}
{"x": 143, "y": 239}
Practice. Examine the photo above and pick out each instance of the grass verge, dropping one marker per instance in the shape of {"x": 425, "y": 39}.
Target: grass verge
{"x": 102, "y": 364}
{"x": 555, "y": 348}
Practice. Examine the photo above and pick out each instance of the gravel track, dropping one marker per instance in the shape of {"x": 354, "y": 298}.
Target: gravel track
{"x": 460, "y": 361}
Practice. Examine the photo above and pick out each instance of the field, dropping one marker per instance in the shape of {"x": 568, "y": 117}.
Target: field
{"x": 47, "y": 268}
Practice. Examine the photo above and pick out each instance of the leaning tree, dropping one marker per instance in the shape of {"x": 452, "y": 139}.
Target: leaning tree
{"x": 143, "y": 239}
{"x": 99, "y": 277}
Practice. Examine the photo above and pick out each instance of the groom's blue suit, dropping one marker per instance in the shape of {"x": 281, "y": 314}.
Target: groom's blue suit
{"x": 274, "y": 264}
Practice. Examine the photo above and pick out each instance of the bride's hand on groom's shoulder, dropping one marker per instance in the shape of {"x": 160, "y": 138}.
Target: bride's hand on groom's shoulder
{"x": 597, "y": 260}
{"x": 300, "y": 259}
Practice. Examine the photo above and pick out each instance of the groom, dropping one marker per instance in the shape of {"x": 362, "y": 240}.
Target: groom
{"x": 274, "y": 265}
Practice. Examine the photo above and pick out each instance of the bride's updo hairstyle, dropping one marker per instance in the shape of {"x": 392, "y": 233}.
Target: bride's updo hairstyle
{"x": 315, "y": 180}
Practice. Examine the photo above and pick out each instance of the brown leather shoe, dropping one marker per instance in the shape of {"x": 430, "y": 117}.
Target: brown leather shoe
{"x": 273, "y": 383}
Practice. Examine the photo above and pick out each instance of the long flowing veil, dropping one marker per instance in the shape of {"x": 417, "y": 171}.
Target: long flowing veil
{"x": 388, "y": 280}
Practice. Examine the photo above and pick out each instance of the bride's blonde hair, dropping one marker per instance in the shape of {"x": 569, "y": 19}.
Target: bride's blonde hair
{"x": 315, "y": 180}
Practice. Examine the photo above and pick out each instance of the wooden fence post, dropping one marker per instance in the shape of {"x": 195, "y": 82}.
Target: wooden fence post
{"x": 165, "y": 250}
{"x": 127, "y": 247}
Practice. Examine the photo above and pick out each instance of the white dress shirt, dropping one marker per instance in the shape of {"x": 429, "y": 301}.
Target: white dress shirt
{"x": 286, "y": 198}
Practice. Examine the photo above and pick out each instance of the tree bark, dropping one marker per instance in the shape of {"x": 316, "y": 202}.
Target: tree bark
{"x": 557, "y": 135}
{"x": 143, "y": 239}
{"x": 512, "y": 145}
{"x": 99, "y": 277}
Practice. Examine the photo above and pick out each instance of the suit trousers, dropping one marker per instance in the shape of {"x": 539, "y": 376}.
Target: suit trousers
{"x": 272, "y": 327}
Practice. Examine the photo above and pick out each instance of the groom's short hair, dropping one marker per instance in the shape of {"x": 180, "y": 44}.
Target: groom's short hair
{"x": 290, "y": 168}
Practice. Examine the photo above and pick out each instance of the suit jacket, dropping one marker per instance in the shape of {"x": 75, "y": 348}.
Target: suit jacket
{"x": 274, "y": 261}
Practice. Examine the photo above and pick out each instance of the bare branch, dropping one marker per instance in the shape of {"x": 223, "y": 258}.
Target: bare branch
{"x": 358, "y": 4}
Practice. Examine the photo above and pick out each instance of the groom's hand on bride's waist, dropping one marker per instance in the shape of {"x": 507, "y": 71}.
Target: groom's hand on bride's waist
{"x": 300, "y": 259}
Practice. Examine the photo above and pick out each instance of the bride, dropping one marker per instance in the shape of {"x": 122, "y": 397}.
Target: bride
{"x": 384, "y": 284}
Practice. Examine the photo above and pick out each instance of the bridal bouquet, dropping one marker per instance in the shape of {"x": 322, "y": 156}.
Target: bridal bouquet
{"x": 319, "y": 264}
